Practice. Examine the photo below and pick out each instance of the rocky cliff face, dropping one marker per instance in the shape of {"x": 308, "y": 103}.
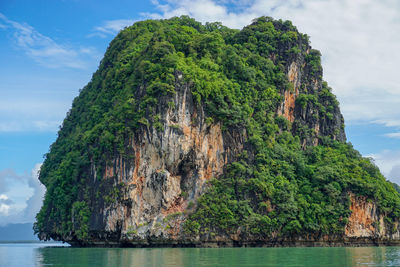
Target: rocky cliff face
{"x": 366, "y": 221}
{"x": 144, "y": 139}
{"x": 168, "y": 171}
{"x": 306, "y": 82}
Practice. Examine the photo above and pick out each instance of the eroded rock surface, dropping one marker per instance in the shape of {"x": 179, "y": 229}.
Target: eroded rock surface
{"x": 366, "y": 221}
{"x": 168, "y": 171}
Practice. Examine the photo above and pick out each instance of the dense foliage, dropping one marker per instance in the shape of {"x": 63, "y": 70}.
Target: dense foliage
{"x": 292, "y": 192}
{"x": 397, "y": 187}
{"x": 238, "y": 76}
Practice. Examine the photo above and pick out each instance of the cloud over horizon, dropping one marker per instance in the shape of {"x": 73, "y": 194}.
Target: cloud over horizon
{"x": 388, "y": 162}
{"x": 21, "y": 196}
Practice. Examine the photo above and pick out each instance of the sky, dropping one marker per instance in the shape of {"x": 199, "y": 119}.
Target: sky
{"x": 50, "y": 49}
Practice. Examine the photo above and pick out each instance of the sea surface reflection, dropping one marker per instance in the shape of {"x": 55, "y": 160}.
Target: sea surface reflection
{"x": 38, "y": 255}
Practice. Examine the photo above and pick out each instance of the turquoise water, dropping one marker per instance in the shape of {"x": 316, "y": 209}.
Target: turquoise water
{"x": 26, "y": 255}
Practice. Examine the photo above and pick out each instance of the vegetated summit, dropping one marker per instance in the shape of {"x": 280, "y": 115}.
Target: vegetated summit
{"x": 201, "y": 135}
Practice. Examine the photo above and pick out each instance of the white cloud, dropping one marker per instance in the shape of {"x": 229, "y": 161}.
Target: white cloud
{"x": 388, "y": 122}
{"x": 204, "y": 11}
{"x": 5, "y": 204}
{"x": 32, "y": 114}
{"x": 29, "y": 126}
{"x": 392, "y": 135}
{"x": 45, "y": 50}
{"x": 388, "y": 162}
{"x": 111, "y": 27}
{"x": 394, "y": 174}
{"x": 21, "y": 196}
{"x": 35, "y": 202}
{"x": 39, "y": 101}
{"x": 4, "y": 208}
{"x": 358, "y": 39}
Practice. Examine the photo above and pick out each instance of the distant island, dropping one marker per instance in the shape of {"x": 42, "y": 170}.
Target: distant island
{"x": 17, "y": 232}
{"x": 193, "y": 134}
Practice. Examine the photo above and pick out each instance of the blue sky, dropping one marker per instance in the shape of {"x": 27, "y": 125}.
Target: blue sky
{"x": 49, "y": 50}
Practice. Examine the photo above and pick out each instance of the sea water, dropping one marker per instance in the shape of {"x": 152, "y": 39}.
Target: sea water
{"x": 42, "y": 254}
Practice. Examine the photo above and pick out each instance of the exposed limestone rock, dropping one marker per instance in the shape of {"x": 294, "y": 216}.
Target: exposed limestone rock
{"x": 365, "y": 221}
{"x": 169, "y": 169}
{"x": 302, "y": 82}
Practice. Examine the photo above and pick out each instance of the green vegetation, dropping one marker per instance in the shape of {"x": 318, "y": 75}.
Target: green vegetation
{"x": 396, "y": 186}
{"x": 131, "y": 231}
{"x": 238, "y": 77}
{"x": 80, "y": 219}
{"x": 113, "y": 195}
{"x": 292, "y": 192}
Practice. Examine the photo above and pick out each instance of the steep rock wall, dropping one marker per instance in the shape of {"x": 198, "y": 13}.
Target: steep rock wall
{"x": 366, "y": 221}
{"x": 310, "y": 117}
{"x": 167, "y": 172}
{"x": 170, "y": 166}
